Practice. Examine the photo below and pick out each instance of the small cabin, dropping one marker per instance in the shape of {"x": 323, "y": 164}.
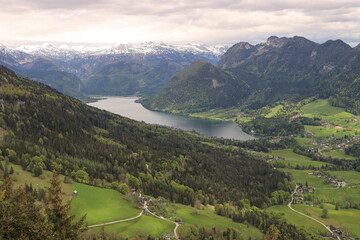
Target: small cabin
{"x": 161, "y": 200}
{"x": 168, "y": 236}
{"x": 178, "y": 220}
{"x": 75, "y": 193}
{"x": 332, "y": 228}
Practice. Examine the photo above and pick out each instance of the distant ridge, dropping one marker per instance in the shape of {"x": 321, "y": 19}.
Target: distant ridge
{"x": 281, "y": 68}
{"x": 123, "y": 69}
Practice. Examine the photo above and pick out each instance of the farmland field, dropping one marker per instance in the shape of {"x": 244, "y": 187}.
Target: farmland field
{"x": 349, "y": 218}
{"x": 208, "y": 218}
{"x": 101, "y": 205}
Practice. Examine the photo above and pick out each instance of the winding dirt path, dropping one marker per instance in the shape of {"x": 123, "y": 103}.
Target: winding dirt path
{"x": 117, "y": 221}
{"x": 165, "y": 219}
{"x": 289, "y": 205}
{"x": 133, "y": 218}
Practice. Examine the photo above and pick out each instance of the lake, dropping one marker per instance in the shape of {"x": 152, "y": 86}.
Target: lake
{"x": 127, "y": 107}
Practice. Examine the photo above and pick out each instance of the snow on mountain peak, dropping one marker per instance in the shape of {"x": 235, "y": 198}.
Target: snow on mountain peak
{"x": 67, "y": 52}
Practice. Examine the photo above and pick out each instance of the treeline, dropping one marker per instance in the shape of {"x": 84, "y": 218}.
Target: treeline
{"x": 47, "y": 130}
{"x": 353, "y": 150}
{"x": 270, "y": 225}
{"x": 276, "y": 126}
{"x": 338, "y": 164}
{"x": 22, "y": 218}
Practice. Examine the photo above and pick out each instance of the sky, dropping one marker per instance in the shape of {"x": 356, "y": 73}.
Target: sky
{"x": 176, "y": 21}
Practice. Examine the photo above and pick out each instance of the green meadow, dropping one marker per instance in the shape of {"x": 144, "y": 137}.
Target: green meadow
{"x": 220, "y": 114}
{"x": 305, "y": 142}
{"x": 20, "y": 177}
{"x": 348, "y": 218}
{"x": 208, "y": 218}
{"x": 338, "y": 132}
{"x": 302, "y": 176}
{"x": 294, "y": 159}
{"x": 274, "y": 111}
{"x": 143, "y": 226}
{"x": 297, "y": 219}
{"x": 341, "y": 120}
{"x": 321, "y": 108}
{"x": 324, "y": 191}
{"x": 339, "y": 155}
{"x": 101, "y": 205}
{"x": 105, "y": 205}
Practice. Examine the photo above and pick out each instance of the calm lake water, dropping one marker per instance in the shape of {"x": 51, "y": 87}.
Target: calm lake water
{"x": 127, "y": 107}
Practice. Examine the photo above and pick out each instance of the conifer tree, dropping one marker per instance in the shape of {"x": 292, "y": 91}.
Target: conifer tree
{"x": 63, "y": 225}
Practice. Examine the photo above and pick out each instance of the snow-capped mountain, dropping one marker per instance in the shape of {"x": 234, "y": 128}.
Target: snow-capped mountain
{"x": 67, "y": 52}
{"x": 122, "y": 69}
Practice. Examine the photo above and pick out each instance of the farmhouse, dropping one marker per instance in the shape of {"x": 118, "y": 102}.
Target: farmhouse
{"x": 178, "y": 221}
{"x": 168, "y": 236}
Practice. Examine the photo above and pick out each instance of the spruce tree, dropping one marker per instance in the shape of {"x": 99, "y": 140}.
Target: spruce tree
{"x": 63, "y": 225}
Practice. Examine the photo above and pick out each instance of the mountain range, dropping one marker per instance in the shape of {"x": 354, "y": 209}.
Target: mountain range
{"x": 124, "y": 69}
{"x": 252, "y": 76}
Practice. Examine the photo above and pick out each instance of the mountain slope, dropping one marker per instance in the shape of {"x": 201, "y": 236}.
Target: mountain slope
{"x": 125, "y": 69}
{"x": 282, "y": 68}
{"x": 196, "y": 88}
{"x": 43, "y": 70}
{"x": 128, "y": 78}
{"x": 48, "y": 130}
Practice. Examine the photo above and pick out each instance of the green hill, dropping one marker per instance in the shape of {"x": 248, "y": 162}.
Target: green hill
{"x": 197, "y": 88}
{"x": 252, "y": 77}
{"x": 47, "y": 130}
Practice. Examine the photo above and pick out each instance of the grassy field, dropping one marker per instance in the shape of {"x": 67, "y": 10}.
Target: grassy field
{"x": 297, "y": 219}
{"x": 340, "y": 155}
{"x": 220, "y": 114}
{"x": 305, "y": 142}
{"x": 208, "y": 218}
{"x": 20, "y": 177}
{"x": 338, "y": 132}
{"x": 274, "y": 111}
{"x": 105, "y": 205}
{"x": 294, "y": 159}
{"x": 351, "y": 177}
{"x": 302, "y": 176}
{"x": 325, "y": 192}
{"x": 320, "y": 108}
{"x": 143, "y": 226}
{"x": 101, "y": 205}
{"x": 342, "y": 120}
{"x": 349, "y": 218}
{"x": 338, "y": 195}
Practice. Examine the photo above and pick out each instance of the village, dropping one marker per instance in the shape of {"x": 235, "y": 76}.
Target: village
{"x": 322, "y": 144}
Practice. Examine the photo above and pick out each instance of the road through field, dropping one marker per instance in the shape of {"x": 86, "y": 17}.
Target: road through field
{"x": 289, "y": 205}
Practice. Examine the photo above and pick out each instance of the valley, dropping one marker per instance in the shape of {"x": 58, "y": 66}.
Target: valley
{"x": 136, "y": 174}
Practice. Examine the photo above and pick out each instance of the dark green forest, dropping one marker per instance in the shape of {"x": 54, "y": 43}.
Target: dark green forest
{"x": 48, "y": 130}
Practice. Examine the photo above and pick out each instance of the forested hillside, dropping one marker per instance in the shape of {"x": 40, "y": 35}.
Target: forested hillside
{"x": 199, "y": 87}
{"x": 47, "y": 130}
{"x": 279, "y": 69}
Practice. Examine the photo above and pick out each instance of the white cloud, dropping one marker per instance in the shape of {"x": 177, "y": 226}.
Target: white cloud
{"x": 213, "y": 21}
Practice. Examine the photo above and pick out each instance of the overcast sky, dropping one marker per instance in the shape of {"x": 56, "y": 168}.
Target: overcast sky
{"x": 176, "y": 21}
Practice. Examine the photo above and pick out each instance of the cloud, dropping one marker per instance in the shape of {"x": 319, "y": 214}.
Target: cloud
{"x": 211, "y": 21}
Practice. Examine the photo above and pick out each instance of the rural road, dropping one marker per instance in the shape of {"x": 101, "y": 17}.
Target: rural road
{"x": 118, "y": 221}
{"x": 141, "y": 213}
{"x": 165, "y": 219}
{"x": 289, "y": 205}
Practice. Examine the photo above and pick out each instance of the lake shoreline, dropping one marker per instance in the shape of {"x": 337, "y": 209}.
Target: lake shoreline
{"x": 130, "y": 108}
